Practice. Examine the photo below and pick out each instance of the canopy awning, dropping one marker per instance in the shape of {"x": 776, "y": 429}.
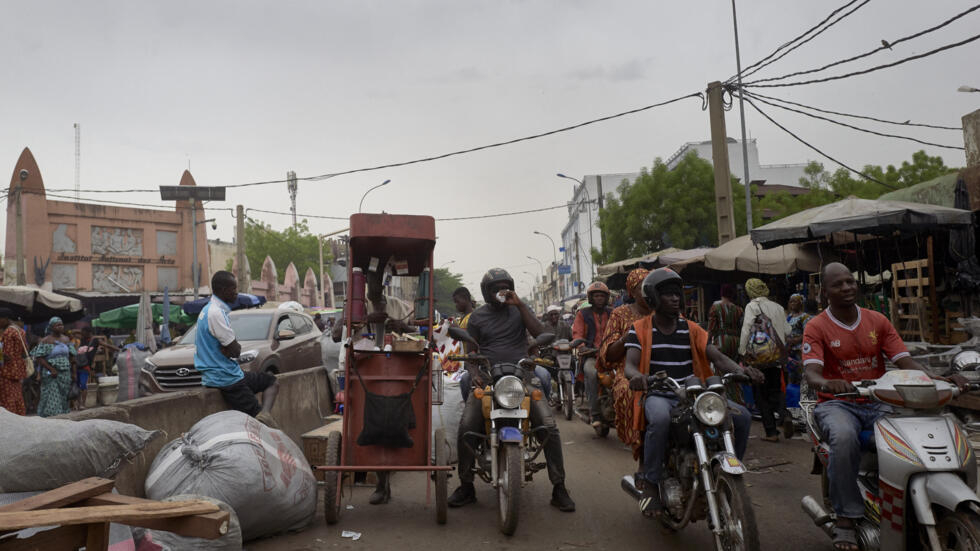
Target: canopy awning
{"x": 624, "y": 266}
{"x": 742, "y": 255}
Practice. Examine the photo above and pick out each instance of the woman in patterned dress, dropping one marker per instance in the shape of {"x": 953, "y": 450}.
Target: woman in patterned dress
{"x": 13, "y": 369}
{"x": 612, "y": 353}
{"x": 55, "y": 363}
{"x": 724, "y": 329}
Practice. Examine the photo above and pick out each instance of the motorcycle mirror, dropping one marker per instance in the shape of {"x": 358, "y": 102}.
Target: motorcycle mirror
{"x": 462, "y": 335}
{"x": 544, "y": 339}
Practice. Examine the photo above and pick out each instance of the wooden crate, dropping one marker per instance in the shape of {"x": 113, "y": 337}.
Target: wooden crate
{"x": 911, "y": 291}
{"x": 315, "y": 444}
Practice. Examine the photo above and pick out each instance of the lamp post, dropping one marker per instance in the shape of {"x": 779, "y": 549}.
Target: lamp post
{"x": 745, "y": 146}
{"x": 588, "y": 206}
{"x": 554, "y": 254}
{"x": 448, "y": 263}
{"x": 966, "y": 88}
{"x": 361, "y": 204}
{"x": 195, "y": 269}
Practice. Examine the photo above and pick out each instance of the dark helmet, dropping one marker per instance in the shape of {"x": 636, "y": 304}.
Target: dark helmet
{"x": 493, "y": 276}
{"x": 656, "y": 279}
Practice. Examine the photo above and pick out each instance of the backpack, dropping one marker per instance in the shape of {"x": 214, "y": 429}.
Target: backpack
{"x": 765, "y": 348}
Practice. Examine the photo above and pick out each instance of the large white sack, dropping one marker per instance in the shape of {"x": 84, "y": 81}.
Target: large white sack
{"x": 447, "y": 416}
{"x": 39, "y": 454}
{"x": 234, "y": 458}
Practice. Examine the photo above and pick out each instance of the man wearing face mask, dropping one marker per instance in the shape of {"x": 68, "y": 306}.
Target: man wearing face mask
{"x": 500, "y": 327}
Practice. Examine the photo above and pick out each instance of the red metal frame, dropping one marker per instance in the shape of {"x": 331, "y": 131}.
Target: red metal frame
{"x": 384, "y": 236}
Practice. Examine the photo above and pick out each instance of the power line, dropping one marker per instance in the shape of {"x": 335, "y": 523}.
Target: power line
{"x": 818, "y": 33}
{"x": 434, "y": 157}
{"x": 455, "y": 219}
{"x": 858, "y": 128}
{"x": 800, "y": 37}
{"x": 885, "y": 121}
{"x": 889, "y": 46}
{"x": 869, "y": 70}
{"x": 123, "y": 203}
{"x": 813, "y": 147}
{"x": 299, "y": 215}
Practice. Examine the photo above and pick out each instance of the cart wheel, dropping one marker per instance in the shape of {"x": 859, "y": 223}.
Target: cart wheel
{"x": 442, "y": 459}
{"x": 331, "y": 484}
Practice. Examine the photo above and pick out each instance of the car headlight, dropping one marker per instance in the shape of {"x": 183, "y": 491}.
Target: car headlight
{"x": 149, "y": 366}
{"x": 711, "y": 409}
{"x": 247, "y": 356}
{"x": 509, "y": 392}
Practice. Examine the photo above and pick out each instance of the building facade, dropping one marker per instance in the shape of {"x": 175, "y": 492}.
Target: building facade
{"x": 76, "y": 246}
{"x": 781, "y": 175}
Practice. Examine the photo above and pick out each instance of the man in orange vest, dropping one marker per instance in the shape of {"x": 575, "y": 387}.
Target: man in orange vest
{"x": 667, "y": 342}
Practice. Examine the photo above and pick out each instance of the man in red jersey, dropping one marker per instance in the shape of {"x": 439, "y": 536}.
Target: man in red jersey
{"x": 842, "y": 345}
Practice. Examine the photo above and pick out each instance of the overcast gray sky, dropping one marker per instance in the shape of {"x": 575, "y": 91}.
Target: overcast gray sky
{"x": 244, "y": 91}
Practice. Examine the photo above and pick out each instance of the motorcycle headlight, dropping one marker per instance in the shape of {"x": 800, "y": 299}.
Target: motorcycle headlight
{"x": 509, "y": 392}
{"x": 247, "y": 356}
{"x": 711, "y": 409}
{"x": 149, "y": 366}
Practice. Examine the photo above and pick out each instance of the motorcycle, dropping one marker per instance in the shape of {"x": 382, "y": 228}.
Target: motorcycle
{"x": 506, "y": 454}
{"x": 917, "y": 471}
{"x": 563, "y": 376}
{"x": 606, "y": 416}
{"x": 703, "y": 475}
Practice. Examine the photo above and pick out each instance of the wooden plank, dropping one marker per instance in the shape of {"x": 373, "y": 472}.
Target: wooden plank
{"x": 122, "y": 514}
{"x": 208, "y": 526}
{"x": 97, "y": 537}
{"x": 934, "y": 321}
{"x": 64, "y": 537}
{"x": 65, "y": 495}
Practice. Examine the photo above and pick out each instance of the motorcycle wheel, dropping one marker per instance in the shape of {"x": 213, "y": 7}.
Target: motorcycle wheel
{"x": 567, "y": 406}
{"x": 508, "y": 488}
{"x": 959, "y": 530}
{"x": 331, "y": 480}
{"x": 442, "y": 477}
{"x": 737, "y": 516}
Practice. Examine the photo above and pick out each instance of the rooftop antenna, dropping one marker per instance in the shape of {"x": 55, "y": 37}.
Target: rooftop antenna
{"x": 78, "y": 159}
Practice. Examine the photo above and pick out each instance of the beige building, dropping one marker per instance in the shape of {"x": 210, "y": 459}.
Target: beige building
{"x": 108, "y": 249}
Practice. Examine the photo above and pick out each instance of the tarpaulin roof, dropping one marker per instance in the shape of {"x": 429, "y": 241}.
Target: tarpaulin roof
{"x": 741, "y": 254}
{"x": 939, "y": 191}
{"x": 857, "y": 216}
{"x": 624, "y": 266}
{"x": 35, "y": 305}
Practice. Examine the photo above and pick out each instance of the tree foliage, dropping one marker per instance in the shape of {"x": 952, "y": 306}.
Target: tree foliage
{"x": 295, "y": 244}
{"x": 445, "y": 282}
{"x": 676, "y": 208}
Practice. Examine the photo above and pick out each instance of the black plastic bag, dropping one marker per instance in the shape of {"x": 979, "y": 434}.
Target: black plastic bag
{"x": 387, "y": 419}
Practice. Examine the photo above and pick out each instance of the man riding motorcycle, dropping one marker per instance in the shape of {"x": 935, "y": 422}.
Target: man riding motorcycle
{"x": 500, "y": 327}
{"x": 845, "y": 344}
{"x": 554, "y": 324}
{"x": 590, "y": 325}
{"x": 667, "y": 342}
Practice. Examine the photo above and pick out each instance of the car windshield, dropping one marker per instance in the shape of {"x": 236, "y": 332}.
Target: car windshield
{"x": 253, "y": 327}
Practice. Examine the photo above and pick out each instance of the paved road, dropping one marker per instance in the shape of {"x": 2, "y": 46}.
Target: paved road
{"x": 606, "y": 518}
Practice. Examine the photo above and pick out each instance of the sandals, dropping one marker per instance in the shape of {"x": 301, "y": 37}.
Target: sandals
{"x": 845, "y": 539}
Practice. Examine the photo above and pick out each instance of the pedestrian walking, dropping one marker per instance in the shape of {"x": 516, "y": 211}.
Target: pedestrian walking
{"x": 763, "y": 346}
{"x": 55, "y": 357}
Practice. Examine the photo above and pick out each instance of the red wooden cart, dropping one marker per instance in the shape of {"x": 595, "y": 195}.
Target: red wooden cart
{"x": 405, "y": 243}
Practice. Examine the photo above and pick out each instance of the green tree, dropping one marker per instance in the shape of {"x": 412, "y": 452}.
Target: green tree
{"x": 445, "y": 282}
{"x": 295, "y": 244}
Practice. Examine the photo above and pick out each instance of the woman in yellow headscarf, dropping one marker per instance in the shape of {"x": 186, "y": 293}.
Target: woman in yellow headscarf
{"x": 612, "y": 352}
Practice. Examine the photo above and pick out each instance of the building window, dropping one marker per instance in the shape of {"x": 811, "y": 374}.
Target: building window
{"x": 64, "y": 276}
{"x": 166, "y": 278}
{"x": 166, "y": 243}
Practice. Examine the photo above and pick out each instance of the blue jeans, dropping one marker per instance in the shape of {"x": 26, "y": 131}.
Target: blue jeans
{"x": 841, "y": 423}
{"x": 466, "y": 382}
{"x": 657, "y": 408}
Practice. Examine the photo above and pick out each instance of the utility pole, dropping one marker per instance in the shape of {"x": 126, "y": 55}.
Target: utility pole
{"x": 21, "y": 264}
{"x": 292, "y": 186}
{"x": 319, "y": 242}
{"x": 971, "y": 138}
{"x": 745, "y": 145}
{"x": 195, "y": 280}
{"x": 240, "y": 247}
{"x": 719, "y": 157}
{"x": 78, "y": 159}
{"x": 578, "y": 269}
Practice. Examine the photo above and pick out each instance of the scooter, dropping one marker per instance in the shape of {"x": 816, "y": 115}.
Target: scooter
{"x": 506, "y": 453}
{"x": 703, "y": 475}
{"x": 563, "y": 379}
{"x": 917, "y": 473}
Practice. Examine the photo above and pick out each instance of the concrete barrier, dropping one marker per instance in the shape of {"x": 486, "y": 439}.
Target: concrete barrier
{"x": 302, "y": 405}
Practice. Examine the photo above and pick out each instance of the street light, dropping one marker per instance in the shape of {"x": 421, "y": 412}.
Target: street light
{"x": 966, "y": 88}
{"x": 540, "y": 266}
{"x": 447, "y": 263}
{"x": 361, "y": 204}
{"x": 589, "y": 207}
{"x": 554, "y": 254}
